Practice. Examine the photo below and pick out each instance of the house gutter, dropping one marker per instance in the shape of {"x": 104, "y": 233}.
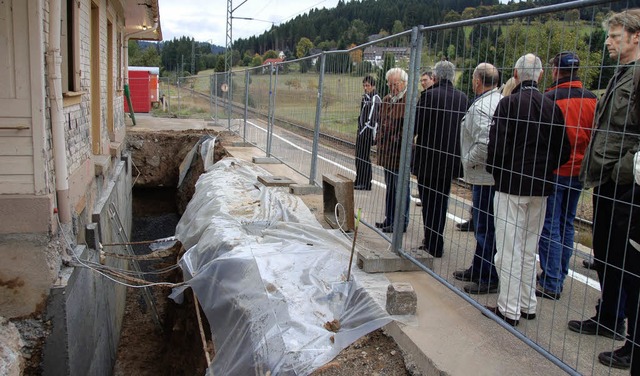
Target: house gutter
{"x": 54, "y": 72}
{"x": 127, "y": 92}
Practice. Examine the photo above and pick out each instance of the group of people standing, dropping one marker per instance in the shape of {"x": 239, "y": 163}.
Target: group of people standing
{"x": 528, "y": 154}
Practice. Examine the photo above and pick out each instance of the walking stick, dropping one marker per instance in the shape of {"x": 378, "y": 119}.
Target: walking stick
{"x": 353, "y": 245}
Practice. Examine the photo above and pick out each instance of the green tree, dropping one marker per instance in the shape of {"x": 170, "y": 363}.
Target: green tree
{"x": 397, "y": 27}
{"x": 271, "y": 54}
{"x": 256, "y": 61}
{"x": 303, "y": 47}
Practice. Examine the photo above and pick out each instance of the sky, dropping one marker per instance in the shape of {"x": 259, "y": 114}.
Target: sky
{"x": 205, "y": 20}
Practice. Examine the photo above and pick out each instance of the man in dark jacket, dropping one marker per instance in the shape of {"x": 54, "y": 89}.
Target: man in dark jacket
{"x": 608, "y": 167}
{"x": 527, "y": 141}
{"x": 389, "y": 141}
{"x": 556, "y": 241}
{"x": 437, "y": 151}
{"x": 367, "y": 127}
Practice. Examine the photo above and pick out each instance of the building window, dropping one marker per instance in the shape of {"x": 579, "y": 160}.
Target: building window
{"x": 69, "y": 46}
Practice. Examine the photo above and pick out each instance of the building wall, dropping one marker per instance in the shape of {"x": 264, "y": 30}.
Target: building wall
{"x": 29, "y": 228}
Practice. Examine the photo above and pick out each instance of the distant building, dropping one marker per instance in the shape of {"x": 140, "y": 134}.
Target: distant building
{"x": 265, "y": 64}
{"x": 375, "y": 54}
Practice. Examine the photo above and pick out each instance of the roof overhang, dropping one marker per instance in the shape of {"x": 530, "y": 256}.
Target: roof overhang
{"x": 142, "y": 19}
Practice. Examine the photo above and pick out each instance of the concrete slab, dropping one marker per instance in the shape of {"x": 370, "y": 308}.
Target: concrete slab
{"x": 242, "y": 144}
{"x": 275, "y": 181}
{"x": 304, "y": 189}
{"x": 386, "y": 261}
{"x": 265, "y": 160}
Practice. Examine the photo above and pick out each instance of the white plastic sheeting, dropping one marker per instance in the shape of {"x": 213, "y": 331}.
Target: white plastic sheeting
{"x": 269, "y": 277}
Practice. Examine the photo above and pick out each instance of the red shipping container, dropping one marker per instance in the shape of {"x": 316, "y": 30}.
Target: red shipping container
{"x": 139, "y": 88}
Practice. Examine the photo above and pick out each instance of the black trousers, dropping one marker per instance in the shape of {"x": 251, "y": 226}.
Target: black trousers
{"x": 626, "y": 220}
{"x": 364, "y": 141}
{"x": 609, "y": 240}
{"x": 434, "y": 194}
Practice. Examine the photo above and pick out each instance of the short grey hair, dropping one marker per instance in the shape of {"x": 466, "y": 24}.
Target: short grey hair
{"x": 444, "y": 70}
{"x": 529, "y": 68}
{"x": 398, "y": 72}
{"x": 628, "y": 19}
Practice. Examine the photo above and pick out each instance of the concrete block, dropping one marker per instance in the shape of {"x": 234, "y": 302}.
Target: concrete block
{"x": 304, "y": 189}
{"x": 101, "y": 164}
{"x": 401, "y": 299}
{"x": 265, "y": 160}
{"x": 115, "y": 148}
{"x": 338, "y": 189}
{"x": 385, "y": 261}
{"x": 242, "y": 144}
{"x": 275, "y": 181}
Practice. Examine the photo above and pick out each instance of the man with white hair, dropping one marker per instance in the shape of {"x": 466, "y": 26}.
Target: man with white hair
{"x": 527, "y": 142}
{"x": 389, "y": 141}
{"x": 437, "y": 151}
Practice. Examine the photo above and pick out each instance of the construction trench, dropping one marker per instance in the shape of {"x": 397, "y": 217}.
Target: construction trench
{"x": 237, "y": 240}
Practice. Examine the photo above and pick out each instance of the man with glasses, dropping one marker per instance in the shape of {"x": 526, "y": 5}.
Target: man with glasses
{"x": 608, "y": 168}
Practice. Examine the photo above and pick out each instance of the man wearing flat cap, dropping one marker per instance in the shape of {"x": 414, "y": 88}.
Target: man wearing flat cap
{"x": 556, "y": 240}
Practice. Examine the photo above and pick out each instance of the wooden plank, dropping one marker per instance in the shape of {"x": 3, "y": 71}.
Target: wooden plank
{"x": 16, "y": 165}
{"x": 16, "y": 146}
{"x": 16, "y": 185}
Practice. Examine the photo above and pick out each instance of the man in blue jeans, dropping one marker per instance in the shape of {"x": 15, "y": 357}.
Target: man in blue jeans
{"x": 474, "y": 138}
{"x": 556, "y": 240}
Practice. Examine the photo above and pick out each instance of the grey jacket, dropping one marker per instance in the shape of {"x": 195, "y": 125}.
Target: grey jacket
{"x": 616, "y": 135}
{"x": 474, "y": 138}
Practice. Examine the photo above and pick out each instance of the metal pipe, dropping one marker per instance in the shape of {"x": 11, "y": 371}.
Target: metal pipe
{"x": 54, "y": 63}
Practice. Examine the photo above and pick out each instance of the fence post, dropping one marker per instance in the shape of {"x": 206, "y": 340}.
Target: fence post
{"x": 246, "y": 105}
{"x": 316, "y": 130}
{"x": 404, "y": 173}
{"x": 215, "y": 94}
{"x": 211, "y": 94}
{"x": 271, "y": 110}
{"x": 229, "y": 97}
{"x": 179, "y": 98}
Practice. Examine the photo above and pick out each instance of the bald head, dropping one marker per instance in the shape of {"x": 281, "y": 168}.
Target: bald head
{"x": 486, "y": 76}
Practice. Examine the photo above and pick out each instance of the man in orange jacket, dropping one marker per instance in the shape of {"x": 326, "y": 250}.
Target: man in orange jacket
{"x": 556, "y": 240}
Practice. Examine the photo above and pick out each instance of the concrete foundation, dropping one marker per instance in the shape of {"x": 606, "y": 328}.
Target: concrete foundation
{"x": 265, "y": 160}
{"x": 304, "y": 189}
{"x": 85, "y": 308}
{"x": 385, "y": 261}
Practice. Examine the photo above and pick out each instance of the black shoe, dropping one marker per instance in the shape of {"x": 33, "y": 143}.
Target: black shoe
{"x": 381, "y": 224}
{"x": 465, "y": 275}
{"x": 389, "y": 229}
{"x": 362, "y": 187}
{"x": 497, "y": 312}
{"x": 619, "y": 358}
{"x": 465, "y": 226}
{"x": 527, "y": 316}
{"x": 481, "y": 288}
{"x": 589, "y": 264}
{"x": 547, "y": 294}
{"x": 592, "y": 327}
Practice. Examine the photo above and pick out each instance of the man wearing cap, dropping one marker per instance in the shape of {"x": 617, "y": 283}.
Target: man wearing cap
{"x": 556, "y": 240}
{"x": 608, "y": 167}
